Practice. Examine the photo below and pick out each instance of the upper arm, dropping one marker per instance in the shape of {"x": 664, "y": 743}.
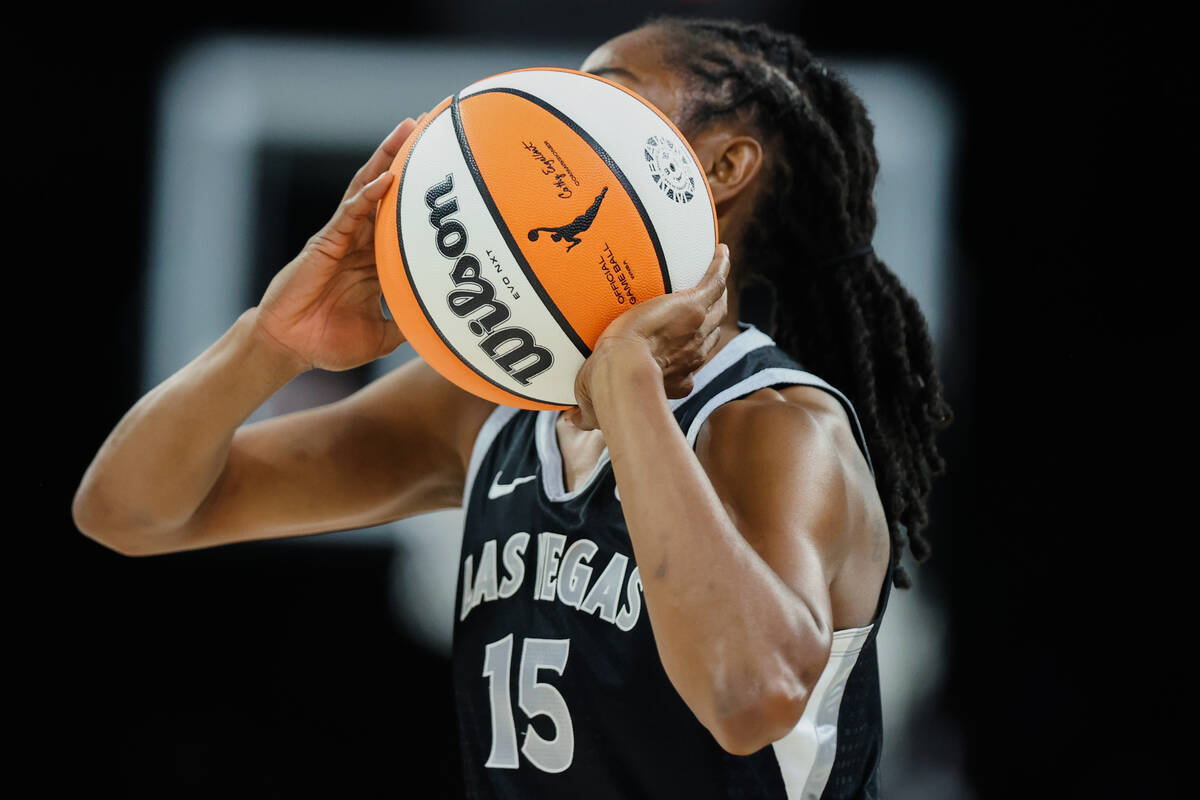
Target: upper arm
{"x": 395, "y": 448}
{"x": 791, "y": 477}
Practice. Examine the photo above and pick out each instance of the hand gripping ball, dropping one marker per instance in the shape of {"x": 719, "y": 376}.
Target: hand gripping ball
{"x": 528, "y": 211}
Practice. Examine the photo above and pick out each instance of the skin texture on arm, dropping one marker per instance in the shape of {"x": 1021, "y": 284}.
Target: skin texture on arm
{"x": 161, "y": 459}
{"x": 396, "y": 448}
{"x": 786, "y": 463}
{"x": 739, "y": 548}
{"x": 179, "y": 473}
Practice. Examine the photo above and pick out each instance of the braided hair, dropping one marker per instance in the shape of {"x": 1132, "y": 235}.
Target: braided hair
{"x": 838, "y": 309}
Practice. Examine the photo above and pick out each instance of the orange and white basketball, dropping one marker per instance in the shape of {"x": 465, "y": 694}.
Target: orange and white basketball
{"x": 528, "y": 211}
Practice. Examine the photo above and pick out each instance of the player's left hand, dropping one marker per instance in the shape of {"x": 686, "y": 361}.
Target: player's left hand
{"x": 677, "y": 330}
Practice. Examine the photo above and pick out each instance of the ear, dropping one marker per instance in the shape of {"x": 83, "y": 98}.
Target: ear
{"x": 731, "y": 162}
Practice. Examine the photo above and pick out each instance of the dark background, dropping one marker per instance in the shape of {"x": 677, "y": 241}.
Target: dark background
{"x": 1054, "y": 531}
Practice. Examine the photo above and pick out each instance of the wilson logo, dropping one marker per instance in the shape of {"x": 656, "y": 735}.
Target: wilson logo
{"x": 512, "y": 348}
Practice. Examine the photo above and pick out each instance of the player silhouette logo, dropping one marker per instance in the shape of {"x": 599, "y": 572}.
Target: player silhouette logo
{"x": 571, "y": 230}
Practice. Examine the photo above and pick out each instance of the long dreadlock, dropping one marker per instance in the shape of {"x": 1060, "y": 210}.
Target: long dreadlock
{"x": 838, "y": 309}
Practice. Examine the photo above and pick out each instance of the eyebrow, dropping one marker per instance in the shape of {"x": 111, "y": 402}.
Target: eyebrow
{"x": 612, "y": 70}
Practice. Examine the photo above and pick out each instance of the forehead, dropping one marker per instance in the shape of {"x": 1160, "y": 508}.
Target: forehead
{"x": 636, "y": 60}
{"x": 636, "y": 48}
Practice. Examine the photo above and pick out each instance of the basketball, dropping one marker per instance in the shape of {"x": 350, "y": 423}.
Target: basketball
{"x": 527, "y": 212}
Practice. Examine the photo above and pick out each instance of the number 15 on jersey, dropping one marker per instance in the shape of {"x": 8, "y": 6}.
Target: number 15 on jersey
{"x": 534, "y": 698}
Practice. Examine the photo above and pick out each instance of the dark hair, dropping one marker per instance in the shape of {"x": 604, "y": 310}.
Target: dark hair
{"x": 838, "y": 309}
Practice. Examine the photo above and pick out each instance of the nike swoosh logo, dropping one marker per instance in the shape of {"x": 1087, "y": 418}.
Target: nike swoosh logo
{"x": 499, "y": 489}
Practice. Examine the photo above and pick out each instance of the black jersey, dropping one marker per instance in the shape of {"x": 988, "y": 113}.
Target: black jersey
{"x": 560, "y": 691}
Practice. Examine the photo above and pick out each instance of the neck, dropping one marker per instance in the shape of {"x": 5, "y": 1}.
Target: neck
{"x": 729, "y": 325}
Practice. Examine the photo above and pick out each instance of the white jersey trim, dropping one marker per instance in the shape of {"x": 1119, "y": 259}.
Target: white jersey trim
{"x": 806, "y": 754}
{"x": 770, "y": 377}
{"x": 483, "y": 441}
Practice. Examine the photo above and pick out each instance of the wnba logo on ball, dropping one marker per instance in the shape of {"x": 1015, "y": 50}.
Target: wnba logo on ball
{"x": 669, "y": 169}
{"x": 476, "y": 292}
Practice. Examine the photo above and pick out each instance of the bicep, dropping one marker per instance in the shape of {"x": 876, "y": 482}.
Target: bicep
{"x": 393, "y": 449}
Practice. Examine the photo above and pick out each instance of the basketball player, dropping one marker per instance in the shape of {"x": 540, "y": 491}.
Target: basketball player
{"x": 674, "y": 589}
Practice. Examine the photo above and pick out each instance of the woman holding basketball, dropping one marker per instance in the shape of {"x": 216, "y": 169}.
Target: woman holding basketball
{"x": 674, "y": 589}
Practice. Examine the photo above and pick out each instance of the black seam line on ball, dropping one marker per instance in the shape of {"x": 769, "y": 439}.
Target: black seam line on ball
{"x": 513, "y": 247}
{"x": 417, "y": 294}
{"x": 612, "y": 165}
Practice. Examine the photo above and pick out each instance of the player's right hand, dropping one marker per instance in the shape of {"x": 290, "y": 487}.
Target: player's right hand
{"x": 322, "y": 310}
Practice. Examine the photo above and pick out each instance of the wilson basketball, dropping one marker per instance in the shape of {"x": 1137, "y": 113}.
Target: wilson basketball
{"x": 528, "y": 211}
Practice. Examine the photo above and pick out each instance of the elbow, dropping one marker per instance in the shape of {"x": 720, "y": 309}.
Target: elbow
{"x": 768, "y": 709}
{"x": 87, "y": 517}
{"x": 90, "y": 518}
{"x": 122, "y": 546}
{"x": 754, "y": 727}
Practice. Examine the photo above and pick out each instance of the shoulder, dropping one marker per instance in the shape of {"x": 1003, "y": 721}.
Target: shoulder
{"x": 786, "y": 460}
{"x": 790, "y": 421}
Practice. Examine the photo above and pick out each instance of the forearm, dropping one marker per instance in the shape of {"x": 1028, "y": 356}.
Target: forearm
{"x": 164, "y": 456}
{"x": 729, "y": 632}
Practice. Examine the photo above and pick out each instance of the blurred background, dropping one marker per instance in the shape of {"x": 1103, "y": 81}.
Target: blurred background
{"x": 1026, "y": 197}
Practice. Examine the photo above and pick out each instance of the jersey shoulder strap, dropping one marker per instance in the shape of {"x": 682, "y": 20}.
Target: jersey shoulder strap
{"x": 749, "y": 362}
